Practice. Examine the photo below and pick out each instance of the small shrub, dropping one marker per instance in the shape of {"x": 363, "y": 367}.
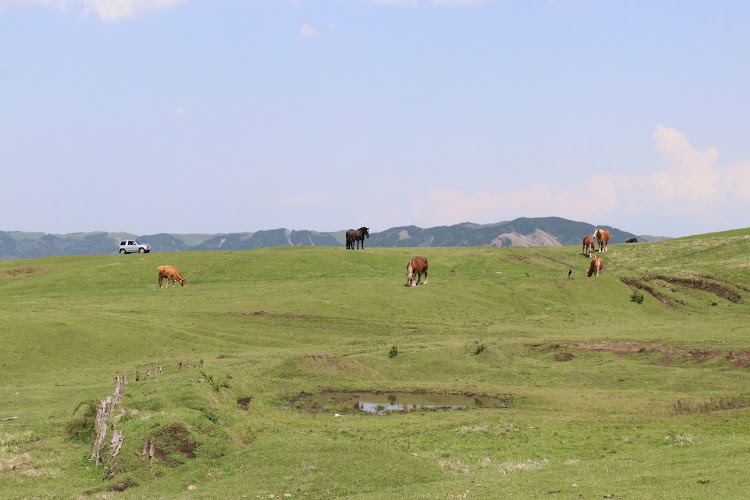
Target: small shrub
{"x": 217, "y": 383}
{"x": 393, "y": 352}
{"x": 81, "y": 428}
{"x": 637, "y": 298}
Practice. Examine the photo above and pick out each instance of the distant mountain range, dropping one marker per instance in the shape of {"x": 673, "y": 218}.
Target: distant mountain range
{"x": 524, "y": 232}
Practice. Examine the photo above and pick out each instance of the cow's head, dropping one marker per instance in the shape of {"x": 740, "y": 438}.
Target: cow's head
{"x": 182, "y": 281}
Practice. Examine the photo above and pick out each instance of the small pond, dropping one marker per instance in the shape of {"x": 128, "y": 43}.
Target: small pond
{"x": 384, "y": 402}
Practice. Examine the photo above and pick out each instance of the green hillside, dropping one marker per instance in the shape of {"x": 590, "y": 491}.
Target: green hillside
{"x": 633, "y": 384}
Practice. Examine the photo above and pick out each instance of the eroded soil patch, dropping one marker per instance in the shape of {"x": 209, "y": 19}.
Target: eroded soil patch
{"x": 641, "y": 285}
{"x": 251, "y": 314}
{"x": 174, "y": 443}
{"x": 707, "y": 286}
{"x": 736, "y": 285}
{"x": 739, "y": 359}
{"x": 718, "y": 289}
{"x": 17, "y": 272}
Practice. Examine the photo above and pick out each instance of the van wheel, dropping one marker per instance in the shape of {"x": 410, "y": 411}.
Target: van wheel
{"x": 122, "y": 251}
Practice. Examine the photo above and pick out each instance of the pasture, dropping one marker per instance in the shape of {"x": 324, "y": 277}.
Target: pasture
{"x": 607, "y": 394}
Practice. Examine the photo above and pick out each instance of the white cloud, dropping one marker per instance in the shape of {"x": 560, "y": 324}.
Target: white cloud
{"x": 690, "y": 185}
{"x": 690, "y": 174}
{"x": 587, "y": 200}
{"x": 106, "y": 10}
{"x": 307, "y": 31}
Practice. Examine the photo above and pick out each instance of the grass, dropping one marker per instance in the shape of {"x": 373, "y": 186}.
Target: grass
{"x": 607, "y": 395}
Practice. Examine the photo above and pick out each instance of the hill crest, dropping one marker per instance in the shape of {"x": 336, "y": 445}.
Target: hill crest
{"x": 523, "y": 232}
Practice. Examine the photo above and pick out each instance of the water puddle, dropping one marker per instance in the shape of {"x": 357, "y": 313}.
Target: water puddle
{"x": 385, "y": 402}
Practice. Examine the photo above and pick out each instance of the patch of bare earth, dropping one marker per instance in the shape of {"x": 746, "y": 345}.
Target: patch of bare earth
{"x": 171, "y": 440}
{"x": 642, "y": 285}
{"x": 715, "y": 286}
{"x": 17, "y": 272}
{"x": 707, "y": 286}
{"x": 251, "y": 314}
{"x": 739, "y": 359}
{"x": 736, "y": 285}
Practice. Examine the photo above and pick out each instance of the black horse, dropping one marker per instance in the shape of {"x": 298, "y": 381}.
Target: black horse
{"x": 354, "y": 236}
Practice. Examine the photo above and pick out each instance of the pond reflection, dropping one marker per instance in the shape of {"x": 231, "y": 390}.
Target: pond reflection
{"x": 384, "y": 402}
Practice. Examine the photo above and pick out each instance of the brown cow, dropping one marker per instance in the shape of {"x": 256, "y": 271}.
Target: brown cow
{"x": 416, "y": 265}
{"x": 632, "y": 240}
{"x": 597, "y": 264}
{"x": 171, "y": 273}
{"x": 603, "y": 237}
{"x": 588, "y": 245}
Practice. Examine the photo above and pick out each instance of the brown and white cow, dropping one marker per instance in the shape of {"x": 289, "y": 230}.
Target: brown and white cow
{"x": 172, "y": 274}
{"x": 597, "y": 264}
{"x": 588, "y": 245}
{"x": 416, "y": 265}
{"x": 603, "y": 237}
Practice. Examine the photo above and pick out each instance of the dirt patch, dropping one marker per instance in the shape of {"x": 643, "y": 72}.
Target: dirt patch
{"x": 17, "y": 272}
{"x": 251, "y": 314}
{"x": 693, "y": 283}
{"x": 736, "y": 285}
{"x": 562, "y": 356}
{"x": 123, "y": 485}
{"x": 697, "y": 284}
{"x": 120, "y": 485}
{"x": 173, "y": 444}
{"x": 739, "y": 359}
{"x": 641, "y": 285}
{"x": 244, "y": 402}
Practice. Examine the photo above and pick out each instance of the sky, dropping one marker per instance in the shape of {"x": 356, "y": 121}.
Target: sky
{"x": 205, "y": 116}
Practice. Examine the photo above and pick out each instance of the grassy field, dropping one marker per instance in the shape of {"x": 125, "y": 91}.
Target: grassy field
{"x": 607, "y": 394}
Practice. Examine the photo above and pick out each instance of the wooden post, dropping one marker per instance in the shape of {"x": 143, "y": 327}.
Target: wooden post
{"x": 116, "y": 443}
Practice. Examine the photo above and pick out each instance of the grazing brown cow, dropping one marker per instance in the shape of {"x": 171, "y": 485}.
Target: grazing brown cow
{"x": 171, "y": 273}
{"x": 588, "y": 245}
{"x": 632, "y": 240}
{"x": 597, "y": 264}
{"x": 416, "y": 265}
{"x": 603, "y": 237}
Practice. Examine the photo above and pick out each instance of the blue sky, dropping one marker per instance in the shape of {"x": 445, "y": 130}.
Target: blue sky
{"x": 197, "y": 116}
